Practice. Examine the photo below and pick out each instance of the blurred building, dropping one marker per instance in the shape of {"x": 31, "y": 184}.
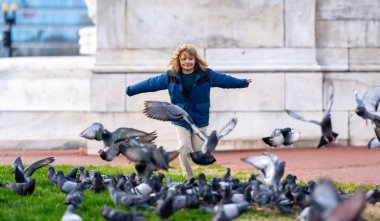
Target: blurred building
{"x": 290, "y": 48}
{"x": 47, "y": 27}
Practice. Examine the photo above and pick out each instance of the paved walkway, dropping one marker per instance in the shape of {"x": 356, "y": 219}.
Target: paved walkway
{"x": 343, "y": 164}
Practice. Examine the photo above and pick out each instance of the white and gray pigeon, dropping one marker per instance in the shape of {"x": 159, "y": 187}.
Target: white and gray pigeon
{"x": 327, "y": 133}
{"x": 204, "y": 156}
{"x": 368, "y": 105}
{"x": 22, "y": 175}
{"x": 271, "y": 167}
{"x": 285, "y": 136}
{"x": 69, "y": 214}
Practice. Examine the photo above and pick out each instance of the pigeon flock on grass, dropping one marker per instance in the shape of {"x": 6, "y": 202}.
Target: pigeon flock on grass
{"x": 226, "y": 197}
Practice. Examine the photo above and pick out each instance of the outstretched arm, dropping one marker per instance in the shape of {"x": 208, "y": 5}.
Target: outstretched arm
{"x": 149, "y": 85}
{"x": 227, "y": 81}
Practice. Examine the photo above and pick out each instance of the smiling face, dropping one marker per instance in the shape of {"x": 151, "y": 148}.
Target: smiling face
{"x": 187, "y": 62}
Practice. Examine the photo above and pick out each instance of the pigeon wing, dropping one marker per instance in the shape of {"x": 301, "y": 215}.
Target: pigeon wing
{"x": 357, "y": 99}
{"x": 36, "y": 165}
{"x": 330, "y": 96}
{"x": 371, "y": 99}
{"x": 227, "y": 129}
{"x": 259, "y": 162}
{"x": 163, "y": 111}
{"x": 299, "y": 117}
{"x": 18, "y": 164}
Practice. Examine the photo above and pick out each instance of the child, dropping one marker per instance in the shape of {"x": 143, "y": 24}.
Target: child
{"x": 188, "y": 81}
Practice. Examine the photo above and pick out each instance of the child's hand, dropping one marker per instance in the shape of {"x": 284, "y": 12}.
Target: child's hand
{"x": 249, "y": 81}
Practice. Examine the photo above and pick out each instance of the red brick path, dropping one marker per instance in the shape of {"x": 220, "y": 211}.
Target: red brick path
{"x": 343, "y": 164}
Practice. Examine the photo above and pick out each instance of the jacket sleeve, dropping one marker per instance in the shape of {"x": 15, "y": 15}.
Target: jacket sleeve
{"x": 149, "y": 85}
{"x": 226, "y": 81}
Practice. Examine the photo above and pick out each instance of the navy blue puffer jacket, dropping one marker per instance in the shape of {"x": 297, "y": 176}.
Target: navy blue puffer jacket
{"x": 197, "y": 105}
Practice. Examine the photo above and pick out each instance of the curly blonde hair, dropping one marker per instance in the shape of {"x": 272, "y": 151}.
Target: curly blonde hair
{"x": 174, "y": 62}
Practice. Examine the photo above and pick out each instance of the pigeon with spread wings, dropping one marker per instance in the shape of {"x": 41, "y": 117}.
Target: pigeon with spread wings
{"x": 328, "y": 135}
{"x": 165, "y": 111}
{"x": 169, "y": 112}
{"x": 368, "y": 105}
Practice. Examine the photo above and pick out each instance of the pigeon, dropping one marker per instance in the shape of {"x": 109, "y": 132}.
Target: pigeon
{"x": 69, "y": 214}
{"x": 373, "y": 143}
{"x": 327, "y": 205}
{"x": 98, "y": 183}
{"x": 285, "y": 136}
{"x": 75, "y": 198}
{"x": 112, "y": 140}
{"x": 220, "y": 215}
{"x": 368, "y": 105}
{"x": 66, "y": 186}
{"x": 117, "y": 215}
{"x": 52, "y": 176}
{"x": 22, "y": 175}
{"x": 328, "y": 135}
{"x": 165, "y": 111}
{"x": 232, "y": 210}
{"x": 275, "y": 139}
{"x": 271, "y": 167}
{"x": 373, "y": 196}
{"x": 204, "y": 156}
{"x": 22, "y": 189}
{"x": 349, "y": 210}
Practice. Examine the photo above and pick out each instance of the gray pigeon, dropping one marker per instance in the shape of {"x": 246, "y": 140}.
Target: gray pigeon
{"x": 117, "y": 215}
{"x": 368, "y": 105}
{"x": 275, "y": 139}
{"x": 165, "y": 111}
{"x": 66, "y": 186}
{"x": 373, "y": 196}
{"x": 285, "y": 136}
{"x": 327, "y": 133}
{"x": 327, "y": 205}
{"x": 349, "y": 210}
{"x": 22, "y": 189}
{"x": 204, "y": 156}
{"x": 220, "y": 215}
{"x": 271, "y": 167}
{"x": 22, "y": 175}
{"x": 232, "y": 210}
{"x": 112, "y": 140}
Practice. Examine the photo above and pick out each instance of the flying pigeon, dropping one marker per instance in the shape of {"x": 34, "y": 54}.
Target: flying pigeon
{"x": 271, "y": 167}
{"x": 368, "y": 105}
{"x": 165, "y": 111}
{"x": 204, "y": 156}
{"x": 22, "y": 175}
{"x": 112, "y": 140}
{"x": 328, "y": 135}
{"x": 285, "y": 136}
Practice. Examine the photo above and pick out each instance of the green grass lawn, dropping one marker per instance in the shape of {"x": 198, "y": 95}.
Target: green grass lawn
{"x": 47, "y": 202}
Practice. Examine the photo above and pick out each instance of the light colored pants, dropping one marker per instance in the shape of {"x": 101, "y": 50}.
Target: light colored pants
{"x": 188, "y": 142}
